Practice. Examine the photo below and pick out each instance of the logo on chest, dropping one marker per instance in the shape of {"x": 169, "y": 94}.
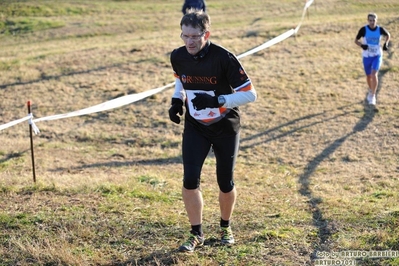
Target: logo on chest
{"x": 198, "y": 80}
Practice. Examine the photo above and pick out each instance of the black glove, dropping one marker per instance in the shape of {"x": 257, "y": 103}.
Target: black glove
{"x": 204, "y": 100}
{"x": 364, "y": 46}
{"x": 385, "y": 47}
{"x": 177, "y": 107}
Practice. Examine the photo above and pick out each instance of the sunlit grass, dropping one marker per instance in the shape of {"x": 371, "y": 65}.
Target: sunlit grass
{"x": 317, "y": 169}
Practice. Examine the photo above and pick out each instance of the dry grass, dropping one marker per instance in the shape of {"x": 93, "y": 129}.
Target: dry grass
{"x": 317, "y": 171}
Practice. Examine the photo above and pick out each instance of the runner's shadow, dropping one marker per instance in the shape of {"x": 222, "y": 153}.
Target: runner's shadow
{"x": 162, "y": 257}
{"x": 327, "y": 228}
{"x": 114, "y": 164}
{"x": 169, "y": 256}
{"x": 252, "y": 141}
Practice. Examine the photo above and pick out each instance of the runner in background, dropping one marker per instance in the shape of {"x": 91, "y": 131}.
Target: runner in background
{"x": 372, "y": 54}
{"x": 195, "y": 4}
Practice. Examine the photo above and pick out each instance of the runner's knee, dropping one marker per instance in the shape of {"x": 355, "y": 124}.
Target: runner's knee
{"x": 192, "y": 176}
{"x": 191, "y": 183}
{"x": 226, "y": 185}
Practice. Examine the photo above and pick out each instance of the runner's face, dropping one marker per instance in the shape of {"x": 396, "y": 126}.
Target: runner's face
{"x": 194, "y": 39}
{"x": 372, "y": 22}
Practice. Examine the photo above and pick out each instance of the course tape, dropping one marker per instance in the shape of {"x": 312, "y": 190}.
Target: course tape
{"x": 30, "y": 120}
{"x": 124, "y": 100}
{"x": 13, "y": 123}
{"x": 279, "y": 38}
{"x": 115, "y": 103}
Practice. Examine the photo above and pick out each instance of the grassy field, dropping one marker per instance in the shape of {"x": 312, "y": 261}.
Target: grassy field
{"x": 318, "y": 169}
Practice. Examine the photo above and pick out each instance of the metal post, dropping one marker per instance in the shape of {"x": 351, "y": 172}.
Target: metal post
{"x": 31, "y": 147}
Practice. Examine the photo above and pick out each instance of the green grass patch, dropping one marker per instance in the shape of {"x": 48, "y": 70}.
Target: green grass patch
{"x": 42, "y": 9}
{"x": 8, "y": 65}
{"x": 21, "y": 25}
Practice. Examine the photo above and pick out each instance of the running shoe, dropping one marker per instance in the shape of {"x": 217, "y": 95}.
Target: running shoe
{"x": 372, "y": 100}
{"x": 369, "y": 96}
{"x": 226, "y": 235}
{"x": 192, "y": 242}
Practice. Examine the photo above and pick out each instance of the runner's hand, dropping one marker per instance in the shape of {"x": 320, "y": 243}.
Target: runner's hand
{"x": 204, "y": 100}
{"x": 176, "y": 108}
{"x": 385, "y": 47}
{"x": 364, "y": 46}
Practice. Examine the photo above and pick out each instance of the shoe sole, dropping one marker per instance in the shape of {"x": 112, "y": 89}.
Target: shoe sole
{"x": 186, "y": 250}
{"x": 182, "y": 249}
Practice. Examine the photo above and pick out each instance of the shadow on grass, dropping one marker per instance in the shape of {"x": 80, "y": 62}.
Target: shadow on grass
{"x": 297, "y": 129}
{"x": 72, "y": 73}
{"x": 172, "y": 256}
{"x": 326, "y": 228}
{"x": 155, "y": 161}
{"x": 160, "y": 257}
{"x": 12, "y": 155}
{"x": 52, "y": 77}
